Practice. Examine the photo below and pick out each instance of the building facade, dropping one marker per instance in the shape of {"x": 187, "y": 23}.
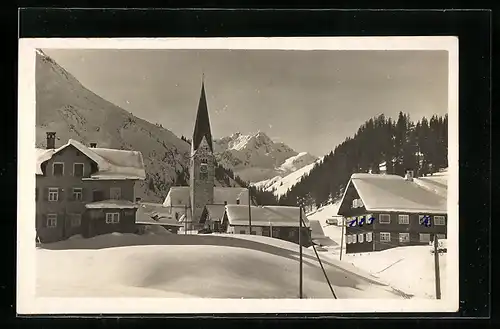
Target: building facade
{"x": 387, "y": 211}
{"x": 72, "y": 177}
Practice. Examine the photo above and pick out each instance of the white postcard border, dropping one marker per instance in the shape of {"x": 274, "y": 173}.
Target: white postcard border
{"x": 29, "y": 303}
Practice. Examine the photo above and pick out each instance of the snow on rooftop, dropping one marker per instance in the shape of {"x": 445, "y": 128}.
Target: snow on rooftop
{"x": 112, "y": 204}
{"x": 394, "y": 193}
{"x": 282, "y": 216}
{"x": 154, "y": 213}
{"x": 180, "y": 195}
{"x": 111, "y": 163}
{"x": 216, "y": 211}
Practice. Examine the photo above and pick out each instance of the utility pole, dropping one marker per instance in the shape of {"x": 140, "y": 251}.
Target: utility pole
{"x": 249, "y": 210}
{"x": 342, "y": 237}
{"x": 300, "y": 252}
{"x": 185, "y": 219}
{"x": 436, "y": 267}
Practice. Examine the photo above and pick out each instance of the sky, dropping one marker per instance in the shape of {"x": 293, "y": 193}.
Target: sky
{"x": 309, "y": 99}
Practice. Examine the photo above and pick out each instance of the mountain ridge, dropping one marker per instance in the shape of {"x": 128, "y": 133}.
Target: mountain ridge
{"x": 65, "y": 106}
{"x": 256, "y": 157}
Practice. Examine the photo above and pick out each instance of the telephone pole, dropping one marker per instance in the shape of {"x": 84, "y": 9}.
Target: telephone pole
{"x": 436, "y": 267}
{"x": 185, "y": 219}
{"x": 300, "y": 251}
{"x": 249, "y": 210}
{"x": 342, "y": 237}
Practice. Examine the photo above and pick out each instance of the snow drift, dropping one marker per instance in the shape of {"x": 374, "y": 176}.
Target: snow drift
{"x": 216, "y": 266}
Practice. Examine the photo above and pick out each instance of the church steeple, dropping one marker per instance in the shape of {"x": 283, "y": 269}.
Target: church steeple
{"x": 202, "y": 125}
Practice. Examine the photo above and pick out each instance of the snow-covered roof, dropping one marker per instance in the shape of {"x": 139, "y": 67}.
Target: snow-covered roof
{"x": 437, "y": 183}
{"x": 180, "y": 195}
{"x": 394, "y": 193}
{"x": 154, "y": 213}
{"x": 277, "y": 216}
{"x": 216, "y": 211}
{"x": 112, "y": 204}
{"x": 111, "y": 163}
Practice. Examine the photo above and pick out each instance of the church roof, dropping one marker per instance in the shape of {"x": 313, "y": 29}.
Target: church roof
{"x": 202, "y": 125}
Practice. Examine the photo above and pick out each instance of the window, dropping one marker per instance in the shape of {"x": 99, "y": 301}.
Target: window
{"x": 253, "y": 233}
{"x": 115, "y": 193}
{"x": 361, "y": 237}
{"x": 97, "y": 195}
{"x": 58, "y": 169}
{"x": 384, "y": 219}
{"x": 425, "y": 237}
{"x": 242, "y": 232}
{"x": 348, "y": 239}
{"x": 53, "y": 194}
{"x": 357, "y": 203}
{"x": 93, "y": 168}
{"x": 369, "y": 237}
{"x": 404, "y": 237}
{"x": 441, "y": 236}
{"x": 78, "y": 169}
{"x": 385, "y": 236}
{"x": 76, "y": 220}
{"x": 439, "y": 220}
{"x": 424, "y": 220}
{"x": 353, "y": 238}
{"x": 352, "y": 221}
{"x": 404, "y": 219}
{"x": 237, "y": 201}
{"x": 203, "y": 171}
{"x": 51, "y": 220}
{"x": 77, "y": 193}
{"x": 112, "y": 218}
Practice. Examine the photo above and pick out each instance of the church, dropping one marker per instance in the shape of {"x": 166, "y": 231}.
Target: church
{"x": 186, "y": 203}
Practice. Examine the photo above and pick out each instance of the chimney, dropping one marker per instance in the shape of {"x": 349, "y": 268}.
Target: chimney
{"x": 51, "y": 140}
{"x": 383, "y": 168}
{"x": 93, "y": 145}
{"x": 409, "y": 175}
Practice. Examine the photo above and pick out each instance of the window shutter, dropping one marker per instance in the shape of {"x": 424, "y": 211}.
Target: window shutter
{"x": 83, "y": 194}
{"x": 46, "y": 194}
{"x": 70, "y": 195}
{"x": 44, "y": 221}
{"x": 61, "y": 194}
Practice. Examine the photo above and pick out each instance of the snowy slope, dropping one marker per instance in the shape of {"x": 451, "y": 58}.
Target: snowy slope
{"x": 66, "y": 107}
{"x": 280, "y": 185}
{"x": 174, "y": 265}
{"x": 256, "y": 157}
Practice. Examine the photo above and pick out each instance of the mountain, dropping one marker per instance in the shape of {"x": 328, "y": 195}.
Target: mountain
{"x": 280, "y": 185}
{"x": 257, "y": 157}
{"x": 65, "y": 106}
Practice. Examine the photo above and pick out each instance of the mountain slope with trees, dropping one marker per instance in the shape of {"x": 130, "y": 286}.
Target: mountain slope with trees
{"x": 380, "y": 142}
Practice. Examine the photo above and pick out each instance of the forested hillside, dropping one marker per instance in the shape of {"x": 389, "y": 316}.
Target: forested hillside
{"x": 379, "y": 143}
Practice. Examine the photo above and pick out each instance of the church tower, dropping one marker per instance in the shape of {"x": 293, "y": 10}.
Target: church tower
{"x": 202, "y": 164}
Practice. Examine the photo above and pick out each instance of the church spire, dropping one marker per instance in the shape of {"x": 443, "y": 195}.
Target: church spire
{"x": 202, "y": 125}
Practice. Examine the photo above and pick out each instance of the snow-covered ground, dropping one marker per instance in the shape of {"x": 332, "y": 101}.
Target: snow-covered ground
{"x": 410, "y": 269}
{"x": 172, "y": 265}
